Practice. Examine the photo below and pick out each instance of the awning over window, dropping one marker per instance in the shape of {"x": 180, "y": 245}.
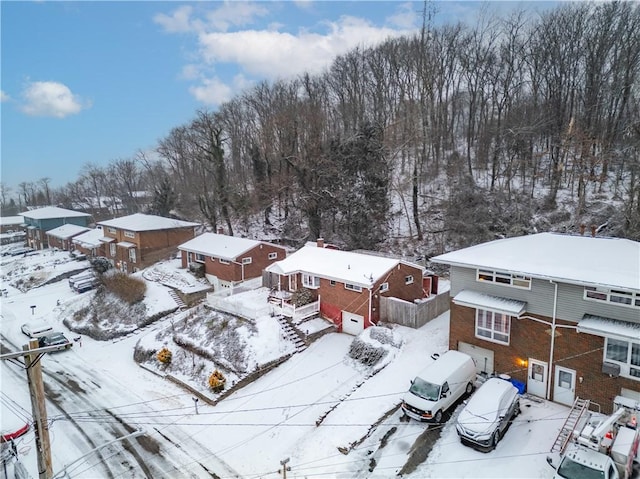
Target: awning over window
{"x": 473, "y": 299}
{"x": 106, "y": 239}
{"x": 609, "y": 328}
{"x": 126, "y": 244}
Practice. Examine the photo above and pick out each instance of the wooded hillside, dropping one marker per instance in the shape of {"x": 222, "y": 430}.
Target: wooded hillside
{"x": 457, "y": 135}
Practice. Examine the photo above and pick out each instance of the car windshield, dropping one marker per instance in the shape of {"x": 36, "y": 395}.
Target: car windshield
{"x": 55, "y": 338}
{"x": 570, "y": 469}
{"x": 425, "y": 390}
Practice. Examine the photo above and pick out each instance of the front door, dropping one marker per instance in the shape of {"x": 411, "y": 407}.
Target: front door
{"x": 537, "y": 378}
{"x": 564, "y": 386}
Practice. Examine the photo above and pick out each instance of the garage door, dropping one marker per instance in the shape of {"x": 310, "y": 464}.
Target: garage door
{"x": 481, "y": 356}
{"x": 352, "y": 323}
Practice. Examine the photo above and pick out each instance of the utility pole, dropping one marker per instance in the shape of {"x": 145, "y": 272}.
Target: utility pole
{"x": 32, "y": 354}
{"x": 285, "y": 468}
{"x": 39, "y": 410}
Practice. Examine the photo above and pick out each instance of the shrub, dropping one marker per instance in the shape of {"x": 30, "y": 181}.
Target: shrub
{"x": 128, "y": 289}
{"x": 301, "y": 297}
{"x": 217, "y": 381}
{"x": 164, "y": 356}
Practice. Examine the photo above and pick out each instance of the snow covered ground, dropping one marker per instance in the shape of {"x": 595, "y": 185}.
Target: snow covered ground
{"x": 331, "y": 416}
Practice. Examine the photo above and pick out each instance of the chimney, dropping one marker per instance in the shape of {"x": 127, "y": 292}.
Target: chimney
{"x": 593, "y": 231}
{"x": 582, "y": 228}
{"x": 220, "y": 230}
{"x": 320, "y": 242}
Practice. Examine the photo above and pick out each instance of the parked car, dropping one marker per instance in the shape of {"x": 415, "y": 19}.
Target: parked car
{"x": 439, "y": 386}
{"x": 54, "y": 339}
{"x": 21, "y": 251}
{"x": 36, "y": 329}
{"x": 485, "y": 418}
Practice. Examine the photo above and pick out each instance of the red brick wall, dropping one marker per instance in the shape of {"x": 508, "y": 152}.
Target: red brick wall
{"x": 531, "y": 339}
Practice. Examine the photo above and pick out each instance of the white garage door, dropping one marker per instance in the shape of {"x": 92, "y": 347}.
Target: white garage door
{"x": 352, "y": 323}
{"x": 481, "y": 356}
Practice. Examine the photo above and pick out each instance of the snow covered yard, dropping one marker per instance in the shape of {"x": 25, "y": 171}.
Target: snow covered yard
{"x": 331, "y": 415}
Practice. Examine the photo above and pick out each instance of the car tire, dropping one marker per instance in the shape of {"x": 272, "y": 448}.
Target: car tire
{"x": 469, "y": 389}
{"x": 517, "y": 411}
{"x": 495, "y": 439}
{"x": 437, "y": 417}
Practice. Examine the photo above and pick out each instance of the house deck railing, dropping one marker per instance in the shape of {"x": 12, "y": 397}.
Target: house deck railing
{"x": 300, "y": 312}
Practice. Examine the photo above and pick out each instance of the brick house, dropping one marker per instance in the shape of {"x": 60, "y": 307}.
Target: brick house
{"x": 561, "y": 313}
{"x": 89, "y": 244}
{"x": 41, "y": 220}
{"x": 11, "y": 224}
{"x": 348, "y": 285}
{"x": 62, "y": 236}
{"x": 136, "y": 241}
{"x": 229, "y": 260}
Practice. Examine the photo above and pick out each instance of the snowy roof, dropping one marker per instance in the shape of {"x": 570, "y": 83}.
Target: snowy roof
{"x": 126, "y": 244}
{"x": 142, "y": 222}
{"x": 11, "y": 220}
{"x": 49, "y": 212}
{"x": 344, "y": 266}
{"x": 220, "y": 246}
{"x": 493, "y": 303}
{"x": 609, "y": 327}
{"x": 89, "y": 239}
{"x": 574, "y": 259}
{"x": 67, "y": 231}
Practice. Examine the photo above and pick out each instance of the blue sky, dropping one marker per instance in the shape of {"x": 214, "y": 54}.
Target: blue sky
{"x": 91, "y": 82}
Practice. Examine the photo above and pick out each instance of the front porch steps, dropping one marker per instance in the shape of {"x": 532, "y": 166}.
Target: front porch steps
{"x": 177, "y": 299}
{"x": 292, "y": 333}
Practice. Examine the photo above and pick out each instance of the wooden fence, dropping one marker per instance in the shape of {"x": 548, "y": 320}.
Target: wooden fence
{"x": 413, "y": 315}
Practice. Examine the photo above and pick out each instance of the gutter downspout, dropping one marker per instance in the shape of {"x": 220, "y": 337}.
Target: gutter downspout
{"x": 370, "y": 306}
{"x": 553, "y": 338}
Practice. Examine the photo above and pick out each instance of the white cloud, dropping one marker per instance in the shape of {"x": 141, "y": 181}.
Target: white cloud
{"x": 50, "y": 99}
{"x": 4, "y": 97}
{"x": 274, "y": 54}
{"x": 269, "y": 52}
{"x": 212, "y": 91}
{"x": 178, "y": 22}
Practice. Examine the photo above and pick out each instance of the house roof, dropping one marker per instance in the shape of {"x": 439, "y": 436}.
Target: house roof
{"x": 90, "y": 238}
{"x": 126, "y": 244}
{"x": 344, "y": 266}
{"x": 581, "y": 260}
{"x": 51, "y": 212}
{"x": 220, "y": 246}
{"x": 11, "y": 220}
{"x": 142, "y": 222}
{"x": 67, "y": 231}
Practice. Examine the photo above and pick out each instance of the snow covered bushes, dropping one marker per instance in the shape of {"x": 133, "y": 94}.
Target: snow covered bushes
{"x": 373, "y": 345}
{"x": 164, "y": 356}
{"x": 127, "y": 288}
{"x": 217, "y": 381}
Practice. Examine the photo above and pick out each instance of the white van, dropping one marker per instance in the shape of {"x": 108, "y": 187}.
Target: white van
{"x": 36, "y": 329}
{"x": 439, "y": 386}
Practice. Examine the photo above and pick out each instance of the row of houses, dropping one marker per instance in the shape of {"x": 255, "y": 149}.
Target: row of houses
{"x": 557, "y": 312}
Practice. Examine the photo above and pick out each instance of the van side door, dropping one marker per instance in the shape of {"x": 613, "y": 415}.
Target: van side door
{"x": 446, "y": 395}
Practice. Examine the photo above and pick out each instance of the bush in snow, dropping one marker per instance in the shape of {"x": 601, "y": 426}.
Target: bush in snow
{"x": 373, "y": 344}
{"x": 164, "y": 356}
{"x": 301, "y": 297}
{"x": 217, "y": 381}
{"x": 125, "y": 287}
{"x": 101, "y": 264}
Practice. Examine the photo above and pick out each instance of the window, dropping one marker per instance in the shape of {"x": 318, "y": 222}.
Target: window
{"x": 129, "y": 234}
{"x": 200, "y": 258}
{"x": 408, "y": 280}
{"x": 623, "y": 298}
{"x": 624, "y": 353}
{"x": 112, "y": 249}
{"x": 507, "y": 279}
{"x": 111, "y": 230}
{"x": 310, "y": 281}
{"x": 332, "y": 282}
{"x": 273, "y": 255}
{"x": 223, "y": 261}
{"x": 352, "y": 287}
{"x": 493, "y": 326}
{"x": 246, "y": 260}
{"x": 384, "y": 287}
{"x": 132, "y": 255}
